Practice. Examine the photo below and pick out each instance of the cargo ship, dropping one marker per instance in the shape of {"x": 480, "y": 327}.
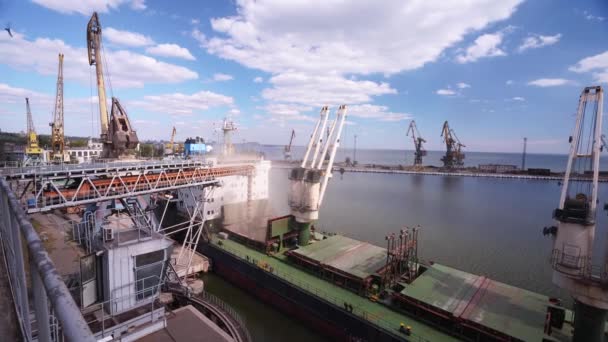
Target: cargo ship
{"x": 351, "y": 290}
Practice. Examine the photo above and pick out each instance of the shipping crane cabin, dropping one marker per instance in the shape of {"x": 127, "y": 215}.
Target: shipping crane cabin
{"x": 287, "y": 151}
{"x": 308, "y": 182}
{"x": 453, "y": 155}
{"x": 117, "y": 135}
{"x": 418, "y": 141}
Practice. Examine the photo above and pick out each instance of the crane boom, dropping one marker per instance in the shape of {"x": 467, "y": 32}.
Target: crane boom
{"x": 173, "y": 139}
{"x": 57, "y": 128}
{"x": 453, "y": 155}
{"x": 32, "y": 148}
{"x": 94, "y": 49}
{"x": 117, "y": 134}
{"x": 418, "y": 140}
{"x": 288, "y": 147}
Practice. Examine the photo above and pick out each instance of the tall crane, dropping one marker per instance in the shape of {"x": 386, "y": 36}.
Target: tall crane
{"x": 308, "y": 182}
{"x": 57, "y": 129}
{"x": 117, "y": 134}
{"x": 33, "y": 152}
{"x": 453, "y": 154}
{"x": 572, "y": 257}
{"x": 420, "y": 151}
{"x": 287, "y": 151}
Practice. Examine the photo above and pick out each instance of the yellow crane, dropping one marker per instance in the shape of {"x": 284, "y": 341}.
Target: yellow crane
{"x": 117, "y": 135}
{"x": 170, "y": 147}
{"x": 58, "y": 154}
{"x": 33, "y": 152}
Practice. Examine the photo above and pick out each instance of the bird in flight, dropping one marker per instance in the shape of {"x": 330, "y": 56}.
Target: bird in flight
{"x": 8, "y": 29}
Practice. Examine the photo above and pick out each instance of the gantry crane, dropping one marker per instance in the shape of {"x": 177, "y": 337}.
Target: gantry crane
{"x": 453, "y": 154}
{"x": 33, "y": 152}
{"x": 308, "y": 182}
{"x": 58, "y": 154}
{"x": 574, "y": 267}
{"x": 420, "y": 151}
{"x": 117, "y": 134}
{"x": 287, "y": 151}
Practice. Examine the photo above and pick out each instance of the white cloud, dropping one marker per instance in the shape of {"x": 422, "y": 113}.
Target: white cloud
{"x": 550, "y": 82}
{"x": 138, "y": 5}
{"x": 462, "y": 85}
{"x": 445, "y": 92}
{"x": 509, "y": 82}
{"x": 382, "y": 113}
{"x": 87, "y": 7}
{"x": 318, "y": 91}
{"x": 279, "y": 36}
{"x": 258, "y": 80}
{"x": 486, "y": 45}
{"x": 199, "y": 36}
{"x": 195, "y": 21}
{"x": 127, "y": 69}
{"x": 182, "y": 104}
{"x": 126, "y": 38}
{"x": 282, "y": 112}
{"x": 170, "y": 50}
{"x": 597, "y": 64}
{"x": 518, "y": 98}
{"x": 219, "y": 77}
{"x": 592, "y": 17}
{"x": 538, "y": 41}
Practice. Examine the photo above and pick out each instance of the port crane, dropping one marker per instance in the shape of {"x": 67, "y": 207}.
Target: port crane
{"x": 58, "y": 153}
{"x": 453, "y": 155}
{"x": 117, "y": 134}
{"x": 170, "y": 147}
{"x": 287, "y": 151}
{"x": 33, "y": 152}
{"x": 572, "y": 257}
{"x": 308, "y": 181}
{"x": 418, "y": 141}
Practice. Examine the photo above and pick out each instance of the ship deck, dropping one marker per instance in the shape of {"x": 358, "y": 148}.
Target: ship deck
{"x": 373, "y": 312}
{"x": 353, "y": 257}
{"x": 479, "y": 300}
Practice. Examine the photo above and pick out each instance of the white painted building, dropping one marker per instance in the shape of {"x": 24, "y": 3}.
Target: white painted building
{"x": 86, "y": 154}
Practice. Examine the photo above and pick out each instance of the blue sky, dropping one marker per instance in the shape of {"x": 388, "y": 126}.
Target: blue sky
{"x": 497, "y": 70}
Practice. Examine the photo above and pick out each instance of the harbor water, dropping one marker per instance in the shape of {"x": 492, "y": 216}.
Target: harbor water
{"x": 485, "y": 226}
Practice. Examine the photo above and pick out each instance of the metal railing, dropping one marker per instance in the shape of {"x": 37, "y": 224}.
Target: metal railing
{"x": 46, "y": 285}
{"x": 281, "y": 272}
{"x": 580, "y": 267}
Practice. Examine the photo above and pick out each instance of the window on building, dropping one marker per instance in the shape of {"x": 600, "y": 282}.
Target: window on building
{"x": 148, "y": 268}
{"x": 80, "y": 153}
{"x": 86, "y": 153}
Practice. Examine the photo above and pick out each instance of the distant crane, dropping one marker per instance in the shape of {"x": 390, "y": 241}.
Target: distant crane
{"x": 420, "y": 151}
{"x": 572, "y": 260}
{"x": 287, "y": 151}
{"x": 308, "y": 182}
{"x": 171, "y": 147}
{"x": 453, "y": 154}
{"x": 58, "y": 154}
{"x": 117, "y": 134}
{"x": 33, "y": 152}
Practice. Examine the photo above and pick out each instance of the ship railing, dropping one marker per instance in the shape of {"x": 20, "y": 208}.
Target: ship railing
{"x": 580, "y": 267}
{"x": 33, "y": 279}
{"x": 210, "y": 298}
{"x": 357, "y": 310}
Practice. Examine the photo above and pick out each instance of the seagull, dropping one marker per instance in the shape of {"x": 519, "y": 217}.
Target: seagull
{"x": 8, "y": 29}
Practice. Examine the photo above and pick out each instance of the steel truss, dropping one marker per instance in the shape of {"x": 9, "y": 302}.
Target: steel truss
{"x": 54, "y": 193}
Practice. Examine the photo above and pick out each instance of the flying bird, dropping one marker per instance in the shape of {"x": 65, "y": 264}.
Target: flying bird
{"x": 8, "y": 29}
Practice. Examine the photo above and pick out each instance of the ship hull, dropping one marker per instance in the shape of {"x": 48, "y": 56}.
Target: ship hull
{"x": 318, "y": 314}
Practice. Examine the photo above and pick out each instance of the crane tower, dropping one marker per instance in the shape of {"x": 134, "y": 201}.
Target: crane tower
{"x": 453, "y": 155}
{"x": 572, "y": 257}
{"x": 33, "y": 152}
{"x": 117, "y": 134}
{"x": 418, "y": 141}
{"x": 287, "y": 151}
{"x": 308, "y": 182}
{"x": 58, "y": 154}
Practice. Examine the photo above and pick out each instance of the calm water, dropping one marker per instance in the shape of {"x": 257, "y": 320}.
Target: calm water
{"x": 485, "y": 226}
{"x": 555, "y": 162}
